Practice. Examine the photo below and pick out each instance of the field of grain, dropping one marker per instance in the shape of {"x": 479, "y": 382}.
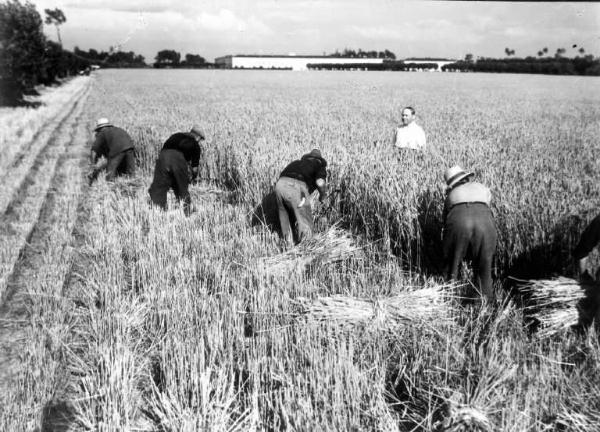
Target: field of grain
{"x": 137, "y": 319}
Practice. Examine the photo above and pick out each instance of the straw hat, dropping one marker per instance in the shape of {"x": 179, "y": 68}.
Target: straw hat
{"x": 103, "y": 122}
{"x": 455, "y": 174}
{"x": 197, "y": 130}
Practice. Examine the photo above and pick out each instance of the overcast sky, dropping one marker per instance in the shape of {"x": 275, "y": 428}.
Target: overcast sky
{"x": 213, "y": 28}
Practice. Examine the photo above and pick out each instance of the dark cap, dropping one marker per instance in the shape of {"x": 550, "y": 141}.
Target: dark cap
{"x": 315, "y": 153}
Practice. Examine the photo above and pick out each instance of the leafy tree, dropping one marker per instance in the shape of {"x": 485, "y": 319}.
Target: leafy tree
{"x": 55, "y": 17}
{"x": 469, "y": 58}
{"x": 581, "y": 51}
{"x": 540, "y": 53}
{"x": 194, "y": 60}
{"x": 545, "y": 50}
{"x": 22, "y": 46}
{"x": 389, "y": 55}
{"x": 559, "y": 52}
{"x": 167, "y": 58}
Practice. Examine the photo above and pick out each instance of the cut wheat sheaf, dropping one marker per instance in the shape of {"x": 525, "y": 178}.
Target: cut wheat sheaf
{"x": 333, "y": 245}
{"x": 554, "y": 303}
{"x": 414, "y": 306}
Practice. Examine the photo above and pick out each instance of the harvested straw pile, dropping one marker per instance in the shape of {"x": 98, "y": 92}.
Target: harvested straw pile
{"x": 578, "y": 422}
{"x": 555, "y": 303}
{"x": 411, "y": 306}
{"x": 464, "y": 418}
{"x": 331, "y": 246}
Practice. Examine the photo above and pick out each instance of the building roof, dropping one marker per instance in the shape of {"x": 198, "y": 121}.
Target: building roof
{"x": 291, "y": 56}
{"x": 427, "y": 59}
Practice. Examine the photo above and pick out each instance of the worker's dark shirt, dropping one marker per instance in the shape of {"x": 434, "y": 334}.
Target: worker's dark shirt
{"x": 308, "y": 169}
{"x": 111, "y": 140}
{"x": 589, "y": 239}
{"x": 186, "y": 144}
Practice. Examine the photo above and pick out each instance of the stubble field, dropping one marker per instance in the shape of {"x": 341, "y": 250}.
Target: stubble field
{"x": 142, "y": 320}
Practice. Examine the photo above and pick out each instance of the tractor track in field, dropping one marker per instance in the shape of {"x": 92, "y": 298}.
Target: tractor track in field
{"x": 23, "y": 213}
{"x": 30, "y": 154}
{"x": 40, "y": 223}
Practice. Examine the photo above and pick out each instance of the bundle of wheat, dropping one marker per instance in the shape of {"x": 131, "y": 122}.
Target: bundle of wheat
{"x": 554, "y": 303}
{"x": 463, "y": 418}
{"x": 578, "y": 422}
{"x": 411, "y": 306}
{"x": 328, "y": 247}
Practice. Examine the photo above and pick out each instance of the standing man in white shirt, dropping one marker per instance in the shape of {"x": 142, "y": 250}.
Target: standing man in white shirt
{"x": 410, "y": 135}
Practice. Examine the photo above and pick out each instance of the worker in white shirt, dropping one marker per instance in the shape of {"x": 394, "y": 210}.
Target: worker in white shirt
{"x": 469, "y": 228}
{"x": 410, "y": 135}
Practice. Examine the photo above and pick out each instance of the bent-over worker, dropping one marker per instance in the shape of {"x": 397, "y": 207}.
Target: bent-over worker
{"x": 469, "y": 228}
{"x": 171, "y": 171}
{"x": 590, "y": 238}
{"x": 116, "y": 145}
{"x": 293, "y": 189}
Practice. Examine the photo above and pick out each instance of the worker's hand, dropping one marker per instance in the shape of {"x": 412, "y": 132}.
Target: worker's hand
{"x": 582, "y": 265}
{"x": 582, "y": 270}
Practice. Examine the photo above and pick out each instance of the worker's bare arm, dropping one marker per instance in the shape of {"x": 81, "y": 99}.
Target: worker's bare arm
{"x": 322, "y": 188}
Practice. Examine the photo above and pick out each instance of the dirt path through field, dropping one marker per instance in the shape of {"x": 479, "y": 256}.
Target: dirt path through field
{"x": 36, "y": 259}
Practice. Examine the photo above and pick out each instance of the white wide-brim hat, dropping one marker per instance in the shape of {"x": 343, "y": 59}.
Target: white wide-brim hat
{"x": 103, "y": 122}
{"x": 455, "y": 174}
{"x": 197, "y": 130}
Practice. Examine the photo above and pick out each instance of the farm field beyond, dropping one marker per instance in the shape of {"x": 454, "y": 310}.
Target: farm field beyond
{"x": 168, "y": 323}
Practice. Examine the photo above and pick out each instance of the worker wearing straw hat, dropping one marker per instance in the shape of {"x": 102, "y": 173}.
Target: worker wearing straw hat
{"x": 116, "y": 145}
{"x": 171, "y": 171}
{"x": 469, "y": 227}
{"x": 293, "y": 189}
{"x": 409, "y": 135}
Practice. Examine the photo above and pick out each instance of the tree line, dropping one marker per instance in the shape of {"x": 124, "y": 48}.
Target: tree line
{"x": 385, "y": 54}
{"x": 544, "y": 63}
{"x": 27, "y": 57}
{"x": 391, "y": 65}
{"x": 172, "y": 59}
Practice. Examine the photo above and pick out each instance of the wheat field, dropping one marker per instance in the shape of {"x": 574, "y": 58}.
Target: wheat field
{"x": 141, "y": 320}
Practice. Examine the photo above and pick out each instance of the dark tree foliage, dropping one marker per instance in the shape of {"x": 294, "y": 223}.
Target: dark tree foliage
{"x": 386, "y": 54}
{"x": 22, "y": 49}
{"x": 193, "y": 61}
{"x": 385, "y": 66}
{"x": 167, "y": 58}
{"x": 112, "y": 59}
{"x": 557, "y": 65}
{"x": 171, "y": 59}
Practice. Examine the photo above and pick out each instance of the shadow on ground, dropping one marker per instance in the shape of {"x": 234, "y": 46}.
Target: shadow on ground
{"x": 58, "y": 416}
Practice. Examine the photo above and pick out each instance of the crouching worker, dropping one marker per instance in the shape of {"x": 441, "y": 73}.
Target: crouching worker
{"x": 171, "y": 171}
{"x": 590, "y": 238}
{"x": 469, "y": 228}
{"x": 116, "y": 146}
{"x": 589, "y": 307}
{"x": 292, "y": 191}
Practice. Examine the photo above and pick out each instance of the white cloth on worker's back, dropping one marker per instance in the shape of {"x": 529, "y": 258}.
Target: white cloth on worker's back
{"x": 411, "y": 136}
{"x": 469, "y": 192}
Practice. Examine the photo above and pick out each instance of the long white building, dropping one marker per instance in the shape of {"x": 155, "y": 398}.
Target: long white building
{"x": 284, "y": 62}
{"x": 439, "y": 61}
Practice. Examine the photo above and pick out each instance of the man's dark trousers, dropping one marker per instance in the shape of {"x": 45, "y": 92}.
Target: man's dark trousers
{"x": 171, "y": 172}
{"x": 470, "y": 230}
{"x": 121, "y": 164}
